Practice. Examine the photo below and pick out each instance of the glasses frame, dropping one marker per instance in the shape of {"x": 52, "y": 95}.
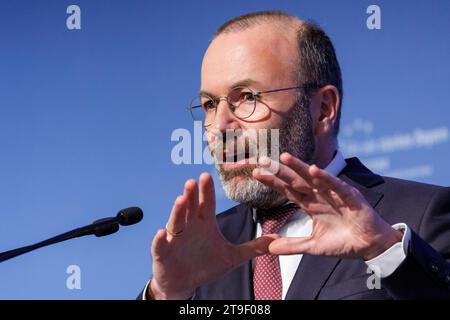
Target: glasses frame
{"x": 256, "y": 95}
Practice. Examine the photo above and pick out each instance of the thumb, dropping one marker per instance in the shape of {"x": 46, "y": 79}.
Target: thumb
{"x": 290, "y": 245}
{"x": 251, "y": 249}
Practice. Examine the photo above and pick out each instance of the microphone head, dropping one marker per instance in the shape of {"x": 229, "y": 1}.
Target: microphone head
{"x": 129, "y": 216}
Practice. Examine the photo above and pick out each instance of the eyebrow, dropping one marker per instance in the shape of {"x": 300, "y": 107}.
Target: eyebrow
{"x": 242, "y": 83}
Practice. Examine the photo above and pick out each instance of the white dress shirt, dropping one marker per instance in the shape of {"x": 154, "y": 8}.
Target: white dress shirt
{"x": 300, "y": 225}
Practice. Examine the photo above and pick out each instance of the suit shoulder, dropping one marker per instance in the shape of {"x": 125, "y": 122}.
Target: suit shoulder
{"x": 407, "y": 186}
{"x": 399, "y": 193}
{"x": 405, "y": 201}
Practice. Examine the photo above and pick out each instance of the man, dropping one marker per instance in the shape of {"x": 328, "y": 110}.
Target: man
{"x": 318, "y": 225}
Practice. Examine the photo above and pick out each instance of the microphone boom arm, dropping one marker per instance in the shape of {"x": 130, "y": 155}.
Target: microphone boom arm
{"x": 100, "y": 228}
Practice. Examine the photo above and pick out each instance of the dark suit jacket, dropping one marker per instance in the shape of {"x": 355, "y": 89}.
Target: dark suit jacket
{"x": 424, "y": 274}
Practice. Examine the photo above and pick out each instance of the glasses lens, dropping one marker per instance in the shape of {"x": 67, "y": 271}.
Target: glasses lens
{"x": 244, "y": 102}
{"x": 202, "y": 109}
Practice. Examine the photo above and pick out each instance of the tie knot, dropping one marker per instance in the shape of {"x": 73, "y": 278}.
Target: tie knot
{"x": 274, "y": 218}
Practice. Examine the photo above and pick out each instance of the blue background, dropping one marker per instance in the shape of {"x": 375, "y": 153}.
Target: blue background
{"x": 86, "y": 118}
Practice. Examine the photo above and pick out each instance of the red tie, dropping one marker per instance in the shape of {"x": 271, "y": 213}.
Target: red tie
{"x": 267, "y": 284}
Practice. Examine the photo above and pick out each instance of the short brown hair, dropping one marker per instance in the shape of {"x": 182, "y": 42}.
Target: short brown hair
{"x": 317, "y": 61}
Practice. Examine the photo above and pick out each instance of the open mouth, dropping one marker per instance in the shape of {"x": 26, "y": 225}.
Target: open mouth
{"x": 237, "y": 153}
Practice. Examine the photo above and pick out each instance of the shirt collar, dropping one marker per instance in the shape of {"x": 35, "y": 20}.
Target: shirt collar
{"x": 336, "y": 165}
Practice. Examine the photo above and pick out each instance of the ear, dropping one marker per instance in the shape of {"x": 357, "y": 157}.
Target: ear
{"x": 328, "y": 101}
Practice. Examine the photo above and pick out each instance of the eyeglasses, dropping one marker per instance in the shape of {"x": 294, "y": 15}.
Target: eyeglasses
{"x": 243, "y": 102}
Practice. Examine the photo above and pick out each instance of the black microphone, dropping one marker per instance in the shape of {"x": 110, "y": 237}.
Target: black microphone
{"x": 99, "y": 228}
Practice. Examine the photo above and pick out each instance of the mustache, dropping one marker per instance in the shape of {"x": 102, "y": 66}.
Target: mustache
{"x": 235, "y": 145}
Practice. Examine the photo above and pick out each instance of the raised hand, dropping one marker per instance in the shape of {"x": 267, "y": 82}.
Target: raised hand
{"x": 191, "y": 251}
{"x": 344, "y": 224}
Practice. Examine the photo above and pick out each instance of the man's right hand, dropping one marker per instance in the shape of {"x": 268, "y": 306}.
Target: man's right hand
{"x": 192, "y": 251}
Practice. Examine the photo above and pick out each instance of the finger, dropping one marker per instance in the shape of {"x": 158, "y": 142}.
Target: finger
{"x": 191, "y": 193}
{"x": 325, "y": 182}
{"x": 291, "y": 245}
{"x": 288, "y": 175}
{"x": 298, "y": 166}
{"x": 177, "y": 218}
{"x": 323, "y": 192}
{"x": 159, "y": 244}
{"x": 207, "y": 196}
{"x": 251, "y": 249}
{"x": 272, "y": 181}
{"x": 277, "y": 184}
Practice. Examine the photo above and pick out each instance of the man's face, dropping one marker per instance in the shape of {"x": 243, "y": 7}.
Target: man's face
{"x": 261, "y": 58}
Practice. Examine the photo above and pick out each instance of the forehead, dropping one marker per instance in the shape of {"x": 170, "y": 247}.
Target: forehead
{"x": 265, "y": 55}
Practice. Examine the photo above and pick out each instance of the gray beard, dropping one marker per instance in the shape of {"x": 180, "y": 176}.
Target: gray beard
{"x": 296, "y": 137}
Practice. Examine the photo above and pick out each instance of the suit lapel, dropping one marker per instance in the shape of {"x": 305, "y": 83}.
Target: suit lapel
{"x": 314, "y": 271}
{"x": 239, "y": 228}
{"x": 358, "y": 176}
{"x": 311, "y": 275}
